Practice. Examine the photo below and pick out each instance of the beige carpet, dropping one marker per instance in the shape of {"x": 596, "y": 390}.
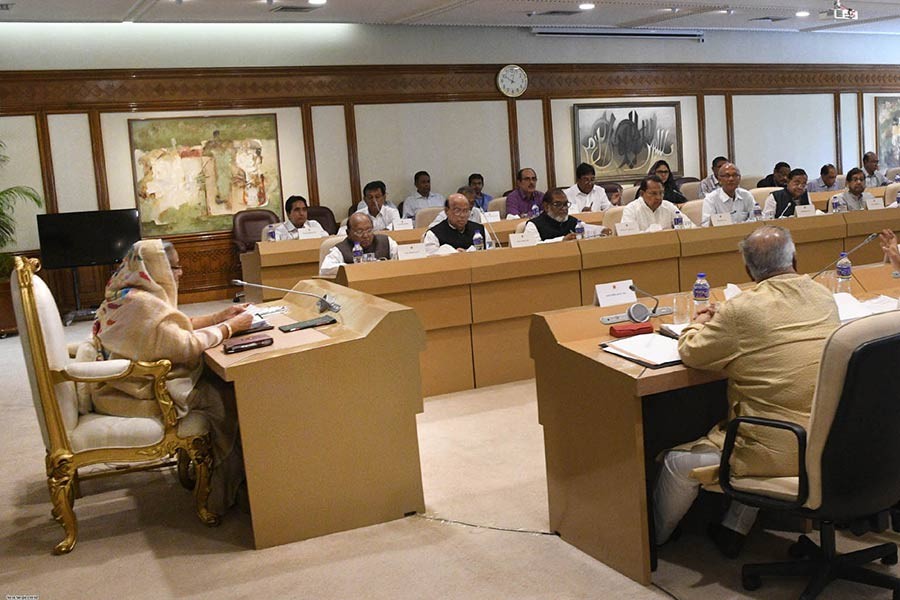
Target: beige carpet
{"x": 482, "y": 463}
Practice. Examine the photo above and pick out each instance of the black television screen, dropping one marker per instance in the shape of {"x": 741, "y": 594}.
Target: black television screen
{"x": 80, "y": 239}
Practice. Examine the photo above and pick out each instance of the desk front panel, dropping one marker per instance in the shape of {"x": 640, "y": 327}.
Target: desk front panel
{"x": 500, "y": 351}
{"x": 508, "y": 298}
{"x": 714, "y": 251}
{"x": 819, "y": 240}
{"x": 446, "y": 362}
{"x": 657, "y": 277}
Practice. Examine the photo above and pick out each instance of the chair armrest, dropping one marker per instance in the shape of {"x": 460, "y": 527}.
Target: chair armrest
{"x": 72, "y": 349}
{"x": 97, "y": 371}
{"x": 760, "y": 499}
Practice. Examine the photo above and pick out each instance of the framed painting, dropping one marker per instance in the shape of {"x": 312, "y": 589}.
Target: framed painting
{"x": 623, "y": 140}
{"x": 192, "y": 174}
{"x": 887, "y": 131}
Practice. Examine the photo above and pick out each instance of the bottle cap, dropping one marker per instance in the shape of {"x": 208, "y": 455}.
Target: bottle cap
{"x": 843, "y": 255}
{"x": 701, "y": 275}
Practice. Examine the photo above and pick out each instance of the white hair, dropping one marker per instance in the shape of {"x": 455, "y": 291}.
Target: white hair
{"x": 767, "y": 251}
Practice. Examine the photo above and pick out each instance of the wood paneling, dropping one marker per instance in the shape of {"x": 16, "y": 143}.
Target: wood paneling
{"x": 838, "y": 145}
{"x": 550, "y": 158}
{"x": 729, "y": 127}
{"x": 46, "y": 159}
{"x": 352, "y": 153}
{"x": 99, "y": 160}
{"x": 513, "y": 121}
{"x": 309, "y": 145}
{"x": 701, "y": 134}
{"x": 861, "y": 121}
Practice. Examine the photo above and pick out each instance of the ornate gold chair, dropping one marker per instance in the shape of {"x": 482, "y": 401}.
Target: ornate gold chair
{"x": 76, "y": 437}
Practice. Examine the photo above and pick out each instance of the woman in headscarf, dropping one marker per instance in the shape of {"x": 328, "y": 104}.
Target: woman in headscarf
{"x": 670, "y": 191}
{"x": 139, "y": 320}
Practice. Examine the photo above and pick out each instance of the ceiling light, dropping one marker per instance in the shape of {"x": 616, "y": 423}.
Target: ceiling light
{"x": 586, "y": 6}
{"x": 801, "y": 13}
{"x": 726, "y": 11}
{"x": 318, "y": 1}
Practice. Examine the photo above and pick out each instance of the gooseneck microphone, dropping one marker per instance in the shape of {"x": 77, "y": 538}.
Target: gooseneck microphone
{"x": 324, "y": 303}
{"x": 868, "y": 239}
{"x": 789, "y": 204}
{"x": 637, "y": 312}
{"x": 657, "y": 311}
{"x": 489, "y": 229}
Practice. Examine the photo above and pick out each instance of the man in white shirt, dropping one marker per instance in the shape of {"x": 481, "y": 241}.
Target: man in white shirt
{"x": 709, "y": 185}
{"x": 728, "y": 198}
{"x": 456, "y": 233}
{"x": 649, "y": 211}
{"x": 360, "y": 232}
{"x": 827, "y": 181}
{"x": 297, "y": 219}
{"x": 584, "y": 195}
{"x": 855, "y": 195}
{"x": 874, "y": 177}
{"x": 383, "y": 216}
{"x": 423, "y": 198}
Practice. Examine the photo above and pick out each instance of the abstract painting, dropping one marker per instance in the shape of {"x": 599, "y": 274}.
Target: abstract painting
{"x": 623, "y": 140}
{"x": 193, "y": 173}
{"x": 887, "y": 134}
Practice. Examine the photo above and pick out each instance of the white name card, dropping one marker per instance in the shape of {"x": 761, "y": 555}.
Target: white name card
{"x": 805, "y": 210}
{"x": 524, "y": 239}
{"x": 626, "y": 228}
{"x": 719, "y": 219}
{"x": 401, "y": 224}
{"x": 310, "y": 234}
{"x": 731, "y": 290}
{"x": 409, "y": 251}
{"x": 491, "y": 216}
{"x": 874, "y": 203}
{"x": 615, "y": 293}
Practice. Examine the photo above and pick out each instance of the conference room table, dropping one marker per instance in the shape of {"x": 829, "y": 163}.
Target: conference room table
{"x": 605, "y": 420}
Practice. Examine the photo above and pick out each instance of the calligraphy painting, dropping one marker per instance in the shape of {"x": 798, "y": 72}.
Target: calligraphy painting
{"x": 622, "y": 141}
{"x": 193, "y": 173}
{"x": 887, "y": 133}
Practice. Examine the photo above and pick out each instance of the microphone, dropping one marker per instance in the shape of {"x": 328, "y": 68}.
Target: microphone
{"x": 490, "y": 229}
{"x": 325, "y": 302}
{"x": 868, "y": 239}
{"x": 637, "y": 312}
{"x": 790, "y": 204}
{"x": 656, "y": 312}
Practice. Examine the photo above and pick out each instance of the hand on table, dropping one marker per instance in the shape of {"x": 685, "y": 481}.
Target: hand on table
{"x": 705, "y": 314}
{"x": 231, "y": 311}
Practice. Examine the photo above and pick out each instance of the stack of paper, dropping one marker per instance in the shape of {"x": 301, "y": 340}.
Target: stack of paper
{"x": 672, "y": 330}
{"x": 649, "y": 348}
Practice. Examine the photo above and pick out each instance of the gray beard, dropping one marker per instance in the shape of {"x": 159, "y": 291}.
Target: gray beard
{"x": 558, "y": 219}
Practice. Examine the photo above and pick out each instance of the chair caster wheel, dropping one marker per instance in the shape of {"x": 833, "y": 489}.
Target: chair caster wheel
{"x": 751, "y": 582}
{"x": 795, "y": 550}
{"x": 890, "y": 559}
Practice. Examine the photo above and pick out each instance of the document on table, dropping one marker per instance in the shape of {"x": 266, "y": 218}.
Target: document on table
{"x": 649, "y": 349}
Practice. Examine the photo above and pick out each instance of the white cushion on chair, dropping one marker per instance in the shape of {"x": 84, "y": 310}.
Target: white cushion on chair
{"x": 104, "y": 431}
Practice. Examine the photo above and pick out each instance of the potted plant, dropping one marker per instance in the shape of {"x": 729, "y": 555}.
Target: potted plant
{"x": 8, "y": 199}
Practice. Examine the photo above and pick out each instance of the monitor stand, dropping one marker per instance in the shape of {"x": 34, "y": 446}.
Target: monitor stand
{"x": 79, "y": 314}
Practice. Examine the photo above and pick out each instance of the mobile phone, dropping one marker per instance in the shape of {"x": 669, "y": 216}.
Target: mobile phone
{"x": 317, "y": 322}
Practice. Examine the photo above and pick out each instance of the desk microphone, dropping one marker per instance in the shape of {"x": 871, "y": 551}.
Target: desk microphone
{"x": 868, "y": 239}
{"x": 490, "y": 229}
{"x": 637, "y": 312}
{"x": 656, "y": 312}
{"x": 790, "y": 204}
{"x": 325, "y": 302}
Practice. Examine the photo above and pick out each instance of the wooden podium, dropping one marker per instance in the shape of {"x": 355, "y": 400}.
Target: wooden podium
{"x": 279, "y": 264}
{"x": 328, "y": 417}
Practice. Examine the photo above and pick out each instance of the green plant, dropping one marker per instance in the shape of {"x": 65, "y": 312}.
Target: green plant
{"x": 8, "y": 199}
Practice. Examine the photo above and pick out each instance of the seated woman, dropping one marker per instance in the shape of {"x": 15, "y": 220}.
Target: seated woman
{"x": 139, "y": 320}
{"x": 670, "y": 191}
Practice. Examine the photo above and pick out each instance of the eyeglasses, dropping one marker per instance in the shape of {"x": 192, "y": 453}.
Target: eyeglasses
{"x": 460, "y": 211}
{"x": 529, "y": 179}
{"x": 560, "y": 204}
{"x": 176, "y": 268}
{"x": 662, "y": 171}
{"x": 364, "y": 232}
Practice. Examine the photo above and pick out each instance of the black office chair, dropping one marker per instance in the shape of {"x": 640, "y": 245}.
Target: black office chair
{"x": 247, "y": 227}
{"x": 325, "y": 218}
{"x": 849, "y": 458}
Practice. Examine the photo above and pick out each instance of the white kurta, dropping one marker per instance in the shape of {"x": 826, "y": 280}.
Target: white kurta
{"x": 595, "y": 201}
{"x": 638, "y": 212}
{"x": 718, "y": 202}
{"x": 334, "y": 259}
{"x": 287, "y": 230}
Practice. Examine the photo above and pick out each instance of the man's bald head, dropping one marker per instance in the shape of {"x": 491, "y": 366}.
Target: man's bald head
{"x": 768, "y": 251}
{"x": 458, "y": 210}
{"x": 358, "y": 221}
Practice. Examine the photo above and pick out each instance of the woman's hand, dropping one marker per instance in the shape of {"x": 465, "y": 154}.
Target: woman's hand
{"x": 889, "y": 245}
{"x": 240, "y": 322}
{"x": 231, "y": 311}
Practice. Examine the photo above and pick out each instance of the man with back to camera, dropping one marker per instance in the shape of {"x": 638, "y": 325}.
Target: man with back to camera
{"x": 383, "y": 216}
{"x": 585, "y": 195}
{"x": 555, "y": 224}
{"x": 524, "y": 200}
{"x": 781, "y": 203}
{"x": 296, "y": 210}
{"x": 728, "y": 198}
{"x": 361, "y": 231}
{"x": 649, "y": 211}
{"x": 423, "y": 198}
{"x": 855, "y": 196}
{"x": 709, "y": 185}
{"x": 456, "y": 232}
{"x": 770, "y": 351}
{"x": 874, "y": 177}
{"x": 827, "y": 181}
{"x": 482, "y": 200}
{"x": 777, "y": 178}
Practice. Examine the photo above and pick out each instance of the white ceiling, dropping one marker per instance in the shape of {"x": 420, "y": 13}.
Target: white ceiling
{"x": 876, "y": 16}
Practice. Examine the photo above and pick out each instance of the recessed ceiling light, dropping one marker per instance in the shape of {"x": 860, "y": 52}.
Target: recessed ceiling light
{"x": 801, "y": 13}
{"x": 726, "y": 11}
{"x": 318, "y": 1}
{"x": 586, "y": 6}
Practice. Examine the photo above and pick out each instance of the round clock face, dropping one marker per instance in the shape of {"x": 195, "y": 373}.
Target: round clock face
{"x": 512, "y": 81}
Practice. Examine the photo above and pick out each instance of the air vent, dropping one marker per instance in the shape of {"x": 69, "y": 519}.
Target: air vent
{"x": 769, "y": 19}
{"x": 7, "y": 5}
{"x": 555, "y": 13}
{"x": 294, "y": 9}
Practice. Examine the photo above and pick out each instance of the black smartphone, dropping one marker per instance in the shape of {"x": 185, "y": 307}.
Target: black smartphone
{"x": 317, "y": 322}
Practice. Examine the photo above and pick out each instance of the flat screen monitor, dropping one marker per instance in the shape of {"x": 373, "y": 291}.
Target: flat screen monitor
{"x": 80, "y": 239}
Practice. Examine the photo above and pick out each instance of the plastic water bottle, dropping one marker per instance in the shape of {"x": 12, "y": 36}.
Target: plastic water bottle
{"x": 357, "y": 253}
{"x": 844, "y": 270}
{"x": 757, "y": 211}
{"x": 579, "y": 230}
{"x": 701, "y": 293}
{"x": 270, "y": 232}
{"x": 677, "y": 220}
{"x": 535, "y": 210}
{"x": 478, "y": 241}
{"x": 838, "y": 204}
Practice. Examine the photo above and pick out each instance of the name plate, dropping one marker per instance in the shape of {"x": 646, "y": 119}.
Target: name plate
{"x": 409, "y": 251}
{"x": 309, "y": 234}
{"x": 615, "y": 293}
{"x": 874, "y": 203}
{"x": 401, "y": 224}
{"x": 719, "y": 219}
{"x": 626, "y": 229}
{"x": 491, "y": 216}
{"x": 522, "y": 240}
{"x": 805, "y": 210}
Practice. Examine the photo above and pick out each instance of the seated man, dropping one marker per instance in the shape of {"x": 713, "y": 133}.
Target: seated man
{"x": 423, "y": 197}
{"x": 524, "y": 201}
{"x": 555, "y": 224}
{"x": 781, "y": 203}
{"x": 709, "y": 185}
{"x": 874, "y": 177}
{"x": 476, "y": 215}
{"x": 456, "y": 232}
{"x": 770, "y": 351}
{"x": 296, "y": 210}
{"x": 585, "y": 195}
{"x": 476, "y": 182}
{"x": 359, "y": 229}
{"x": 728, "y": 198}
{"x": 777, "y": 178}
{"x": 855, "y": 196}
{"x": 827, "y": 181}
{"x": 649, "y": 211}
{"x": 383, "y": 216}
